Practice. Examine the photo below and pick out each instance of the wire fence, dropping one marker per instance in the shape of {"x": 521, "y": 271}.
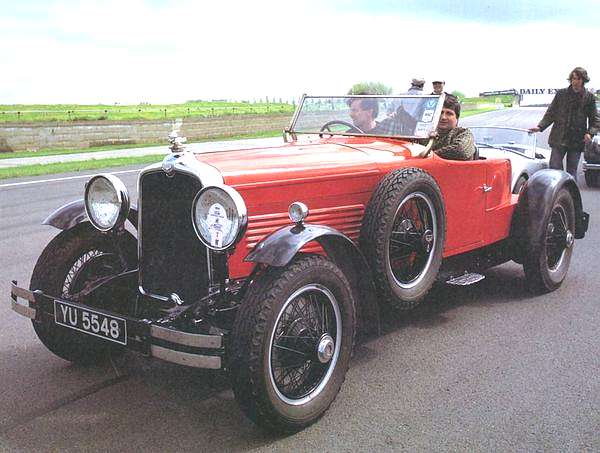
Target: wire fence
{"x": 141, "y": 113}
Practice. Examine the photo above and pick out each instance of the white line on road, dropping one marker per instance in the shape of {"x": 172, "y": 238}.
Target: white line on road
{"x": 63, "y": 179}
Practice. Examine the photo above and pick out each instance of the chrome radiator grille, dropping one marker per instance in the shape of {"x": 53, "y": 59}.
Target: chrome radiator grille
{"x": 172, "y": 258}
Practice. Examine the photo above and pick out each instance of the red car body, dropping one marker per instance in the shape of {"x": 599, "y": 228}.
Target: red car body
{"x": 336, "y": 177}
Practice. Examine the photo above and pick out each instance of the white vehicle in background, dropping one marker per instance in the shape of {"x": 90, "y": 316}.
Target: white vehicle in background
{"x": 517, "y": 145}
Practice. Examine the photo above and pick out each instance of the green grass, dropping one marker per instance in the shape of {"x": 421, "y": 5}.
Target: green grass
{"x": 99, "y": 112}
{"x": 476, "y": 111}
{"x": 66, "y": 167}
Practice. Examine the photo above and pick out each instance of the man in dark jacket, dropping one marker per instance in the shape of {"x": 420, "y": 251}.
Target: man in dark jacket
{"x": 575, "y": 117}
{"x": 451, "y": 141}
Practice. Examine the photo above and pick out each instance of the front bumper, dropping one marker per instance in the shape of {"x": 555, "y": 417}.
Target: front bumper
{"x": 171, "y": 345}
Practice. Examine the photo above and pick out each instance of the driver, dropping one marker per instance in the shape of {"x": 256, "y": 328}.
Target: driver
{"x": 363, "y": 112}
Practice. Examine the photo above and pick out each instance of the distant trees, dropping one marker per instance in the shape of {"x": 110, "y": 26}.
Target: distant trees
{"x": 370, "y": 88}
{"x": 459, "y": 94}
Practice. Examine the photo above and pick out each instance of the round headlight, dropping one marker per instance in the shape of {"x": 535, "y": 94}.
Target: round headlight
{"x": 106, "y": 201}
{"x": 219, "y": 216}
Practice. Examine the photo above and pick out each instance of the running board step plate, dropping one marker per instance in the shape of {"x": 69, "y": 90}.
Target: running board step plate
{"x": 465, "y": 279}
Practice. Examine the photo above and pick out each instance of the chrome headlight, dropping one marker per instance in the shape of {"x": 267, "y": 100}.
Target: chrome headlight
{"x": 219, "y": 216}
{"x": 106, "y": 202}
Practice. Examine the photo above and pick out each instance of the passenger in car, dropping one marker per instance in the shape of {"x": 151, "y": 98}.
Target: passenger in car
{"x": 451, "y": 141}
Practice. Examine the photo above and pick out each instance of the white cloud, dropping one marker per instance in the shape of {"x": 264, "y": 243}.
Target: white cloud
{"x": 131, "y": 51}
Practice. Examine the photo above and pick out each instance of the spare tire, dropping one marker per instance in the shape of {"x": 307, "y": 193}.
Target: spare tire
{"x": 402, "y": 236}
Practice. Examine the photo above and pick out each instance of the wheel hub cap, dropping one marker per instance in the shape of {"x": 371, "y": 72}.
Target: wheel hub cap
{"x": 325, "y": 348}
{"x": 569, "y": 239}
{"x": 427, "y": 240}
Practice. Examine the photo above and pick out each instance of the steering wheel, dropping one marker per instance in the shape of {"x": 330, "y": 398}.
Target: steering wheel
{"x": 352, "y": 127}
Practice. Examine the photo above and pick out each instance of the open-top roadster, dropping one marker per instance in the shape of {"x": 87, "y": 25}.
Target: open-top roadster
{"x": 268, "y": 262}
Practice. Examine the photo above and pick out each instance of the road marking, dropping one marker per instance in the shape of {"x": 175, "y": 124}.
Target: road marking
{"x": 64, "y": 179}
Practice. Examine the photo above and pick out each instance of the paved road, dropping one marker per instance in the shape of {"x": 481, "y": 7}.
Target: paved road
{"x": 483, "y": 368}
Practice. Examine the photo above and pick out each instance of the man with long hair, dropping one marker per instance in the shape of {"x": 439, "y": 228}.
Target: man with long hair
{"x": 575, "y": 117}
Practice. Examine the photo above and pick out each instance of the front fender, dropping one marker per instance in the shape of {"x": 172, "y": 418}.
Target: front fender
{"x": 536, "y": 201}
{"x": 280, "y": 247}
{"x": 72, "y": 214}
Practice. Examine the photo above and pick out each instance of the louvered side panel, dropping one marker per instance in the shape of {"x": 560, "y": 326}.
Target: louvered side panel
{"x": 346, "y": 219}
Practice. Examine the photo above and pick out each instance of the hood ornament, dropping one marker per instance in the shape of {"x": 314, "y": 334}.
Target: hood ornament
{"x": 177, "y": 142}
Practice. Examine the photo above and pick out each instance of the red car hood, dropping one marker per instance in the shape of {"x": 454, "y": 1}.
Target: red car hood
{"x": 295, "y": 162}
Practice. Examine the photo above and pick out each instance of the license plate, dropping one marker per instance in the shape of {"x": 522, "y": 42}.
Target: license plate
{"x": 91, "y": 322}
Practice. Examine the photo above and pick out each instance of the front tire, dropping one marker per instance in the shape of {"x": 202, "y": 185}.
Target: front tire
{"x": 546, "y": 266}
{"x": 71, "y": 260}
{"x": 292, "y": 341}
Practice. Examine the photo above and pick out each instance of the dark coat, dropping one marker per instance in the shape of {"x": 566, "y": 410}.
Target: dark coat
{"x": 573, "y": 115}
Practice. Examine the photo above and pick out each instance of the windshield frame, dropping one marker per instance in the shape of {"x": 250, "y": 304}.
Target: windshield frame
{"x": 436, "y": 116}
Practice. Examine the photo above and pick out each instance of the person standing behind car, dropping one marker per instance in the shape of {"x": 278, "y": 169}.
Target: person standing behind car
{"x": 575, "y": 117}
{"x": 438, "y": 87}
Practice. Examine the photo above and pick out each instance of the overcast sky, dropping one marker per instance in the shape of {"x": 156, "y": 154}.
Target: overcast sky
{"x": 131, "y": 51}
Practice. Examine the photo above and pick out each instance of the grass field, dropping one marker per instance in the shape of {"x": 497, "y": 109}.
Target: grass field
{"x": 70, "y": 112}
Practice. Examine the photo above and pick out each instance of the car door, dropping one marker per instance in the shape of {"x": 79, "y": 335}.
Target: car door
{"x": 463, "y": 187}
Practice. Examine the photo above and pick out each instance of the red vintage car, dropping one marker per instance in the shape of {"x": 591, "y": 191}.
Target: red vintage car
{"x": 269, "y": 262}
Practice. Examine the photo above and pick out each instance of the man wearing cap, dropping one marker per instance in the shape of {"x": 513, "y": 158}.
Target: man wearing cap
{"x": 416, "y": 86}
{"x": 575, "y": 116}
{"x": 451, "y": 141}
{"x": 438, "y": 87}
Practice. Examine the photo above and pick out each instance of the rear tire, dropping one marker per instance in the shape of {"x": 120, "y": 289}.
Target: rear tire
{"x": 64, "y": 268}
{"x": 592, "y": 178}
{"x": 291, "y": 344}
{"x": 546, "y": 266}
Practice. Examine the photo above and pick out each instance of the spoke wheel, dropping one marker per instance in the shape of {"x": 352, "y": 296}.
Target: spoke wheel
{"x": 292, "y": 341}
{"x": 546, "y": 265}
{"x": 402, "y": 236}
{"x": 304, "y": 347}
{"x": 71, "y": 262}
{"x": 412, "y": 240}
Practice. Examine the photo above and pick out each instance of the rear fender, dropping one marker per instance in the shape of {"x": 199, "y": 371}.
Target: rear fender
{"x": 535, "y": 206}
{"x": 72, "y": 214}
{"x": 280, "y": 247}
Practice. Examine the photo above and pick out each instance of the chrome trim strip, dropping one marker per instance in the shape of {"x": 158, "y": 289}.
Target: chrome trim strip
{"x": 23, "y": 310}
{"x": 186, "y": 163}
{"x": 187, "y": 339}
{"x": 186, "y": 359}
{"x": 591, "y": 166}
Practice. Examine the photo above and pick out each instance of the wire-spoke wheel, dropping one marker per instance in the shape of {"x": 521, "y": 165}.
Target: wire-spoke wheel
{"x": 292, "y": 342}
{"x": 304, "y": 345}
{"x": 546, "y": 266}
{"x": 403, "y": 235}
{"x": 73, "y": 260}
{"x": 412, "y": 240}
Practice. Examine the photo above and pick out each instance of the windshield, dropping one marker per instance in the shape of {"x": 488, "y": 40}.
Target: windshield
{"x": 385, "y": 116}
{"x": 506, "y": 138}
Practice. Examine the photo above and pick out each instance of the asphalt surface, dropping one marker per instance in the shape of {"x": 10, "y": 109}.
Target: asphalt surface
{"x": 487, "y": 367}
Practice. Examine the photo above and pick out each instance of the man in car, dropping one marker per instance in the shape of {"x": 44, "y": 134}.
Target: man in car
{"x": 363, "y": 112}
{"x": 451, "y": 141}
{"x": 575, "y": 117}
